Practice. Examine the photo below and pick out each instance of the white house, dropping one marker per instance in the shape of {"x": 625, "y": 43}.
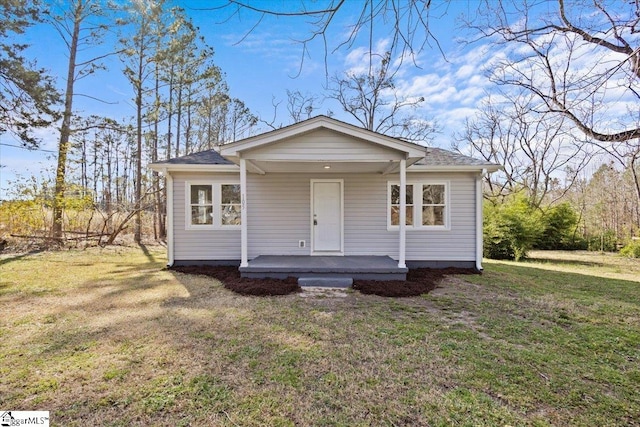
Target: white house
{"x": 323, "y": 196}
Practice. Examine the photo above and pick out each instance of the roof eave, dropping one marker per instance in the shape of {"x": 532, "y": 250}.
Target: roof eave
{"x": 172, "y": 167}
{"x": 455, "y": 168}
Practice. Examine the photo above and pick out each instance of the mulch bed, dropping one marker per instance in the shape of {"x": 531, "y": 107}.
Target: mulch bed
{"x": 230, "y": 278}
{"x": 419, "y": 281}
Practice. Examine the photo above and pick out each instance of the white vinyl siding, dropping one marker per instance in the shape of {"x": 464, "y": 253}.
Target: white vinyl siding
{"x": 279, "y": 217}
{"x": 324, "y": 144}
{"x": 201, "y": 243}
{"x": 366, "y": 210}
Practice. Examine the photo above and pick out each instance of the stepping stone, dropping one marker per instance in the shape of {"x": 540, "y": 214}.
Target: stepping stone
{"x": 326, "y": 282}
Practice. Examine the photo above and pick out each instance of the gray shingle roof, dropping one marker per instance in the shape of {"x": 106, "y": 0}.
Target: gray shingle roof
{"x": 209, "y": 157}
{"x": 440, "y": 157}
{"x": 434, "y": 157}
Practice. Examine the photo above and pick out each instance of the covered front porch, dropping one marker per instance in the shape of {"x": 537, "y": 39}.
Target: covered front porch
{"x": 354, "y": 267}
{"x": 325, "y": 151}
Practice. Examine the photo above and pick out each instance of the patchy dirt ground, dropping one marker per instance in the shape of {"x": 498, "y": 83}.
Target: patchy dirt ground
{"x": 419, "y": 281}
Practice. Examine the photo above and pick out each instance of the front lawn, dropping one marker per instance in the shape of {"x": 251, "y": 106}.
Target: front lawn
{"x": 110, "y": 337}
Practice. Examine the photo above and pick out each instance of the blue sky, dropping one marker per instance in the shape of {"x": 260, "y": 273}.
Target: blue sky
{"x": 262, "y": 66}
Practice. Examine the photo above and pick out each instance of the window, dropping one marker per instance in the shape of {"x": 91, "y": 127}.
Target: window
{"x": 395, "y": 205}
{"x": 230, "y": 204}
{"x": 433, "y": 204}
{"x": 212, "y": 205}
{"x": 201, "y": 203}
{"x": 427, "y": 205}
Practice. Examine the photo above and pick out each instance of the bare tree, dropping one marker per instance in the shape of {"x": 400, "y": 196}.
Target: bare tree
{"x": 372, "y": 98}
{"x": 580, "y": 59}
{"x": 627, "y": 154}
{"x": 138, "y": 55}
{"x": 407, "y": 21}
{"x": 97, "y": 144}
{"x": 78, "y": 33}
{"x": 300, "y": 106}
{"x": 210, "y": 118}
{"x": 239, "y": 121}
{"x": 608, "y": 216}
{"x": 535, "y": 149}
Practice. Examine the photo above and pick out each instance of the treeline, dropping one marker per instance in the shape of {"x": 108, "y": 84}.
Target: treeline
{"x": 181, "y": 100}
{"x": 558, "y": 189}
{"x": 599, "y": 213}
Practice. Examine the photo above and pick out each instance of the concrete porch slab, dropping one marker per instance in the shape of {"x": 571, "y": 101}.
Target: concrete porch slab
{"x": 355, "y": 267}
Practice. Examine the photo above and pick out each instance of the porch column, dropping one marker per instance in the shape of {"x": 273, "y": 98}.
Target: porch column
{"x": 244, "y": 262}
{"x": 479, "y": 219}
{"x": 403, "y": 213}
{"x": 169, "y": 223}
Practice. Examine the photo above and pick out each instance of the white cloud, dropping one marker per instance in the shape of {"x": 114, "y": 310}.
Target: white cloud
{"x": 453, "y": 89}
{"x": 465, "y": 71}
{"x": 471, "y": 95}
{"x": 355, "y": 57}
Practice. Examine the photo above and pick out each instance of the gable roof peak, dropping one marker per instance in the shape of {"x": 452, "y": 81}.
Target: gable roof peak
{"x": 233, "y": 149}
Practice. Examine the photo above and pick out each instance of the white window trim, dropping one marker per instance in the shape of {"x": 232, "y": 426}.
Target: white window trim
{"x": 389, "y": 192}
{"x": 217, "y": 206}
{"x": 417, "y": 206}
{"x": 447, "y": 204}
{"x": 187, "y": 206}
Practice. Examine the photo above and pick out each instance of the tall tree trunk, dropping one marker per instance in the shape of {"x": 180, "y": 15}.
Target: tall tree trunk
{"x": 187, "y": 131}
{"x": 65, "y": 131}
{"x": 178, "y": 117}
{"x": 170, "y": 112}
{"x": 107, "y": 190}
{"x": 157, "y": 213}
{"x": 96, "y": 170}
{"x": 117, "y": 175}
{"x": 137, "y": 237}
{"x": 84, "y": 180}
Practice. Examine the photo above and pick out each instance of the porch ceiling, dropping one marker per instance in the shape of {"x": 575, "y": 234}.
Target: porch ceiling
{"x": 322, "y": 166}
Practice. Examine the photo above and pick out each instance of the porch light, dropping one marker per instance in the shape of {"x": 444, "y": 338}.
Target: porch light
{"x": 327, "y": 166}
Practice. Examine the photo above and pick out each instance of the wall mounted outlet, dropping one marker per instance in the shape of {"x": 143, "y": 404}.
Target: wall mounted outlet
{"x": 302, "y": 244}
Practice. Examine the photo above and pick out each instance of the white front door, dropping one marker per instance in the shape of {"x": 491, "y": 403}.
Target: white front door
{"x": 326, "y": 216}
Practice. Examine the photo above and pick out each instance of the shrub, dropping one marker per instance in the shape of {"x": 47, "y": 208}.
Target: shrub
{"x": 511, "y": 229}
{"x": 23, "y": 216}
{"x": 559, "y": 224}
{"x": 631, "y": 250}
{"x": 606, "y": 241}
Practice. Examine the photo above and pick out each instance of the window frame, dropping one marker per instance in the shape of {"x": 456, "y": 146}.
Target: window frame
{"x": 418, "y": 206}
{"x": 189, "y": 205}
{"x": 445, "y": 205}
{"x": 220, "y": 204}
{"x": 409, "y": 205}
{"x": 216, "y": 200}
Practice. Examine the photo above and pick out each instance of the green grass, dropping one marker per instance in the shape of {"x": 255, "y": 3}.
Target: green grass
{"x": 109, "y": 337}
